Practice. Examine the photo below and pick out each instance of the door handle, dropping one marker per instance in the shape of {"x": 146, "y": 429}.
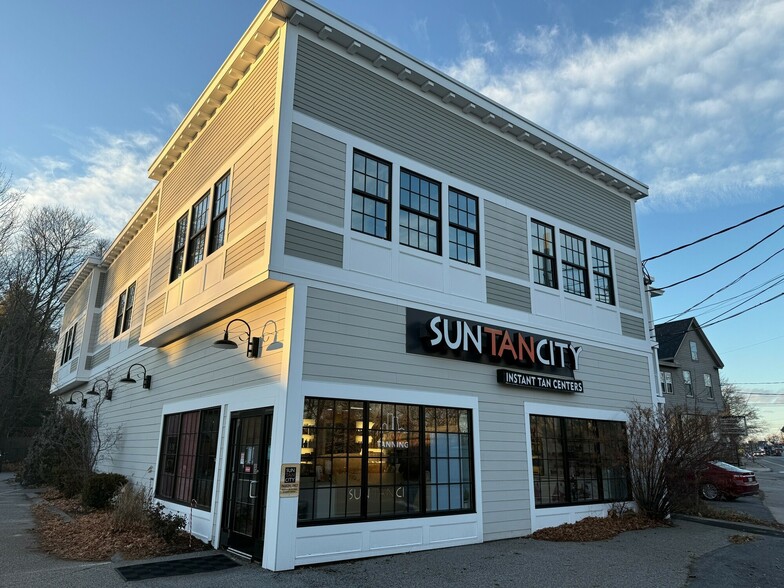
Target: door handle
{"x": 251, "y": 488}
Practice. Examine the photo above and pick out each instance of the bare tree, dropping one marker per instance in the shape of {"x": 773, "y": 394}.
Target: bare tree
{"x": 10, "y": 200}
{"x": 736, "y": 403}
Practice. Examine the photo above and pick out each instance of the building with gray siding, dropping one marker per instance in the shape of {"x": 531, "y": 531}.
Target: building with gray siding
{"x": 365, "y": 310}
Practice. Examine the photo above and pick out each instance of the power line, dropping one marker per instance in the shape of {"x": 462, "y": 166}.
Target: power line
{"x": 710, "y": 324}
{"x": 752, "y": 297}
{"x": 772, "y": 210}
{"x": 726, "y": 261}
{"x": 755, "y": 384}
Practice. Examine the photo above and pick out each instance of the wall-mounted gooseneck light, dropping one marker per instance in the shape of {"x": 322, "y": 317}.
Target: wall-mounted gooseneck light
{"x": 83, "y": 402}
{"x": 94, "y": 391}
{"x": 254, "y": 348}
{"x": 146, "y": 380}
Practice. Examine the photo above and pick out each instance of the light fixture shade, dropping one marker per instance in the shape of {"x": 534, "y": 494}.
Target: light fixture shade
{"x": 275, "y": 345}
{"x": 93, "y": 392}
{"x": 225, "y": 343}
{"x": 128, "y": 379}
{"x": 71, "y": 401}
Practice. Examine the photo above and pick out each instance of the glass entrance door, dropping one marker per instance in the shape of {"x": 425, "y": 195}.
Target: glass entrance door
{"x": 245, "y": 498}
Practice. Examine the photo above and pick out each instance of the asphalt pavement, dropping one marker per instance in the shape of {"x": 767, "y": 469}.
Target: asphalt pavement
{"x": 686, "y": 554}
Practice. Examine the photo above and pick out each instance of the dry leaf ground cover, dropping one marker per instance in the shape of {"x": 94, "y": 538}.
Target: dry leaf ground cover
{"x": 90, "y": 535}
{"x": 596, "y": 528}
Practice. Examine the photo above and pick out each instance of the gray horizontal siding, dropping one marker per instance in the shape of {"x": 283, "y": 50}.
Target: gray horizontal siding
{"x": 101, "y": 290}
{"x": 632, "y": 326}
{"x": 502, "y": 293}
{"x": 349, "y": 339}
{"x": 333, "y": 89}
{"x": 98, "y": 358}
{"x": 77, "y": 304}
{"x": 506, "y": 241}
{"x": 628, "y": 278}
{"x": 247, "y": 250}
{"x": 317, "y": 180}
{"x": 155, "y": 309}
{"x": 314, "y": 244}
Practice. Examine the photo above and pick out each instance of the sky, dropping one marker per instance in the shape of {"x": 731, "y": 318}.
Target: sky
{"x": 686, "y": 96}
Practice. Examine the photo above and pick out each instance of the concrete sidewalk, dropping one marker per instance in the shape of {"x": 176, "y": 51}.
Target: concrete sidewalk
{"x": 652, "y": 558}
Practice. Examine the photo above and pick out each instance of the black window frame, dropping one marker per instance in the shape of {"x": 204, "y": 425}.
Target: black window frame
{"x": 68, "y": 345}
{"x": 565, "y": 490}
{"x": 220, "y": 208}
{"x": 197, "y": 232}
{"x": 602, "y": 292}
{"x": 125, "y": 303}
{"x": 418, "y": 213}
{"x": 201, "y": 473}
{"x": 572, "y": 272}
{"x": 362, "y": 433}
{"x": 461, "y": 225}
{"x": 180, "y": 240}
{"x": 540, "y": 256}
{"x": 361, "y": 194}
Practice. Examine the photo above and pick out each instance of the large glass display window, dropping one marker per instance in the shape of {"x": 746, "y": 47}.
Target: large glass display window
{"x": 578, "y": 461}
{"x": 373, "y": 460}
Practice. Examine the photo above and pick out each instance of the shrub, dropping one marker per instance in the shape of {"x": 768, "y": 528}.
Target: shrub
{"x": 164, "y": 524}
{"x": 130, "y": 507}
{"x": 99, "y": 489}
{"x": 69, "y": 481}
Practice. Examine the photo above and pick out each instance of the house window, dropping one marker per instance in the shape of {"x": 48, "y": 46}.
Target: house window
{"x": 198, "y": 232}
{"x": 463, "y": 227}
{"x": 220, "y": 203}
{"x": 687, "y": 383}
{"x": 420, "y": 212}
{"x": 666, "y": 382}
{"x": 706, "y": 378}
{"x": 122, "y": 322}
{"x": 68, "y": 345}
{"x": 195, "y": 234}
{"x": 370, "y": 197}
{"x": 180, "y": 236}
{"x": 186, "y": 468}
{"x": 693, "y": 349}
{"x": 372, "y": 460}
{"x": 574, "y": 264}
{"x": 543, "y": 237}
{"x": 602, "y": 274}
{"x": 578, "y": 461}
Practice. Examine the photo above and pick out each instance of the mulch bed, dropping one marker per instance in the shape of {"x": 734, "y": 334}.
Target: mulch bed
{"x": 596, "y": 528}
{"x": 90, "y": 535}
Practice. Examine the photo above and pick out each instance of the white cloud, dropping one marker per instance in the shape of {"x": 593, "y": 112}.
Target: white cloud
{"x": 691, "y": 103}
{"x": 105, "y": 178}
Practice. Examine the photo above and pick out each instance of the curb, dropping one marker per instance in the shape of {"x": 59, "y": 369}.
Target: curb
{"x": 745, "y": 527}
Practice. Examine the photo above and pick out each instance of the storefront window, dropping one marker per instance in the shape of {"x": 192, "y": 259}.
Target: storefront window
{"x": 578, "y": 461}
{"x": 373, "y": 460}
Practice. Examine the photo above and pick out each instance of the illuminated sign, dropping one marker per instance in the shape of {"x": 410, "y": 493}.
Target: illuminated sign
{"x": 438, "y": 334}
{"x": 510, "y": 378}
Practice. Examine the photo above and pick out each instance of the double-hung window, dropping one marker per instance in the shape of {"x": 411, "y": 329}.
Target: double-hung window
{"x": 371, "y": 201}
{"x": 463, "y": 227}
{"x": 602, "y": 274}
{"x": 122, "y": 321}
{"x": 420, "y": 212}
{"x": 543, "y": 238}
{"x": 687, "y": 383}
{"x": 205, "y": 229}
{"x": 68, "y": 345}
{"x": 574, "y": 264}
{"x": 198, "y": 232}
{"x": 693, "y": 350}
{"x": 706, "y": 378}
{"x": 186, "y": 468}
{"x": 220, "y": 204}
{"x": 666, "y": 382}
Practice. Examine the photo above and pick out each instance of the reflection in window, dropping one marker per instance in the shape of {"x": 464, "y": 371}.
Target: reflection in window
{"x": 602, "y": 274}
{"x": 463, "y": 227}
{"x": 578, "y": 461}
{"x": 687, "y": 383}
{"x": 420, "y": 212}
{"x": 373, "y": 460}
{"x": 542, "y": 241}
{"x": 370, "y": 197}
{"x": 574, "y": 264}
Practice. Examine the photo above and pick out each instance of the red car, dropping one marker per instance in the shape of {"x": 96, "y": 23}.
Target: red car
{"x": 722, "y": 479}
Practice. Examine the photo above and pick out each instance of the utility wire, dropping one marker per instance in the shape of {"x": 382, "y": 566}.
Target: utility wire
{"x": 772, "y": 210}
{"x": 725, "y": 262}
{"x": 746, "y": 300}
{"x": 710, "y": 324}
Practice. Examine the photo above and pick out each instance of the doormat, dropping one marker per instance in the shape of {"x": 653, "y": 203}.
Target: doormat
{"x": 176, "y": 567}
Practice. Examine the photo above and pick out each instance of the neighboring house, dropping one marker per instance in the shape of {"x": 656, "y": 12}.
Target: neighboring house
{"x": 441, "y": 298}
{"x": 688, "y": 366}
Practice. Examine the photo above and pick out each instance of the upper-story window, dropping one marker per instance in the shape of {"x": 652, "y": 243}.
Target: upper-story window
{"x": 602, "y": 274}
{"x": 220, "y": 204}
{"x": 574, "y": 264}
{"x": 190, "y": 239}
{"x": 708, "y": 381}
{"x": 68, "y": 345}
{"x": 122, "y": 321}
{"x": 420, "y": 212}
{"x": 463, "y": 227}
{"x": 693, "y": 349}
{"x": 666, "y": 382}
{"x": 371, "y": 201}
{"x": 687, "y": 383}
{"x": 543, "y": 241}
